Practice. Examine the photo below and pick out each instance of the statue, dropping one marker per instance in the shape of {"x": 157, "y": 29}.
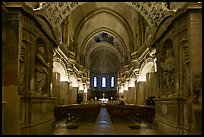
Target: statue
{"x": 168, "y": 67}
{"x": 41, "y": 71}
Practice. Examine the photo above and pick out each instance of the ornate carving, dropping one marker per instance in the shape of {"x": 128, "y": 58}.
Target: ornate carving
{"x": 22, "y": 71}
{"x": 187, "y": 81}
{"x": 186, "y": 73}
{"x": 65, "y": 7}
{"x": 176, "y": 5}
{"x": 73, "y": 4}
{"x": 164, "y": 109}
{"x": 168, "y": 70}
{"x": 197, "y": 87}
{"x": 157, "y": 17}
{"x": 41, "y": 71}
{"x": 60, "y": 4}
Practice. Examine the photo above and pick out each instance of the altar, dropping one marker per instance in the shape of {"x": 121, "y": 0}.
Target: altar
{"x": 103, "y": 100}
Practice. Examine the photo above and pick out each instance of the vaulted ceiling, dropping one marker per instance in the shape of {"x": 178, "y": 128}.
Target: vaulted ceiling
{"x": 116, "y": 19}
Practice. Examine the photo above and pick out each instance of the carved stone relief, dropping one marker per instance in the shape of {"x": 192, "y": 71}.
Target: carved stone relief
{"x": 41, "y": 69}
{"x": 164, "y": 109}
{"x": 197, "y": 88}
{"x": 167, "y": 66}
{"x": 186, "y": 72}
{"x": 22, "y": 70}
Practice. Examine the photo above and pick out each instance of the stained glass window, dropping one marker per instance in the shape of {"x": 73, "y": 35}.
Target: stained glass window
{"x": 112, "y": 81}
{"x": 95, "y": 82}
{"x": 103, "y": 82}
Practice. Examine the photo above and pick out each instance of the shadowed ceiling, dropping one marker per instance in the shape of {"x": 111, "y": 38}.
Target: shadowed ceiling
{"x": 88, "y": 20}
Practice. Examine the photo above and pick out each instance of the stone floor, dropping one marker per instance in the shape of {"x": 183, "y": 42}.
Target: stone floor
{"x": 104, "y": 126}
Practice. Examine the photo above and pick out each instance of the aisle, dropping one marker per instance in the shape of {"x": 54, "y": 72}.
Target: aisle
{"x": 103, "y": 126}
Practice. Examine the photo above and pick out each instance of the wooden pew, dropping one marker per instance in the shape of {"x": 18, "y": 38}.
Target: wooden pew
{"x": 80, "y": 111}
{"x": 84, "y": 112}
{"x": 134, "y": 112}
{"x": 118, "y": 112}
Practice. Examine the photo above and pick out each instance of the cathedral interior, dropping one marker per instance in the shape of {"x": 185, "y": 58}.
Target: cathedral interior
{"x": 102, "y": 68}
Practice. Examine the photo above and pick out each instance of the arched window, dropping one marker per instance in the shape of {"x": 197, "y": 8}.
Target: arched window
{"x": 112, "y": 81}
{"x": 103, "y": 82}
{"x": 95, "y": 82}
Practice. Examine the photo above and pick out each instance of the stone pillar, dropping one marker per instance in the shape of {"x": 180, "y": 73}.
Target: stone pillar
{"x": 195, "y": 54}
{"x": 132, "y": 95}
{"x": 73, "y": 96}
{"x": 141, "y": 93}
{"x": 136, "y": 92}
{"x": 80, "y": 96}
{"x": 56, "y": 87}
{"x": 151, "y": 84}
{"x": 125, "y": 96}
{"x": 64, "y": 96}
{"x": 128, "y": 96}
{"x": 85, "y": 96}
{"x": 10, "y": 61}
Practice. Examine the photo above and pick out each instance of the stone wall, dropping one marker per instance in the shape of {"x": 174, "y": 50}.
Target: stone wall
{"x": 27, "y": 100}
{"x": 179, "y": 103}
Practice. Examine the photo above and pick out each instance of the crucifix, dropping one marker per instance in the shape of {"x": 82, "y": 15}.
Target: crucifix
{"x": 103, "y": 95}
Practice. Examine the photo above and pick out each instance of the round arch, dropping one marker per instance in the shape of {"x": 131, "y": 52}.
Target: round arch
{"x": 149, "y": 10}
{"x": 101, "y": 30}
{"x": 145, "y": 68}
{"x": 107, "y": 46}
{"x": 73, "y": 80}
{"x": 110, "y": 12}
{"x": 58, "y": 67}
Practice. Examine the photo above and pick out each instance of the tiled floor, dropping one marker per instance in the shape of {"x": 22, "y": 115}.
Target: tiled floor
{"x": 104, "y": 126}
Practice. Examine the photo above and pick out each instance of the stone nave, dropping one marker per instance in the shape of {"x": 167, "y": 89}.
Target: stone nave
{"x": 102, "y": 68}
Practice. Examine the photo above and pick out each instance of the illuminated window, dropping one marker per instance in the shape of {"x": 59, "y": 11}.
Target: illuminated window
{"x": 103, "y": 82}
{"x": 95, "y": 82}
{"x": 112, "y": 81}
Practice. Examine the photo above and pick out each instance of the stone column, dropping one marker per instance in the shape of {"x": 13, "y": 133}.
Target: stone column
{"x": 124, "y": 96}
{"x": 132, "y": 95}
{"x": 64, "y": 94}
{"x": 151, "y": 82}
{"x": 56, "y": 87}
{"x": 195, "y": 47}
{"x": 84, "y": 96}
{"x": 10, "y": 62}
{"x": 80, "y": 96}
{"x": 141, "y": 93}
{"x": 73, "y": 99}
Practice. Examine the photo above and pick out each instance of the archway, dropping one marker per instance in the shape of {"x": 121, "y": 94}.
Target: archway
{"x": 57, "y": 67}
